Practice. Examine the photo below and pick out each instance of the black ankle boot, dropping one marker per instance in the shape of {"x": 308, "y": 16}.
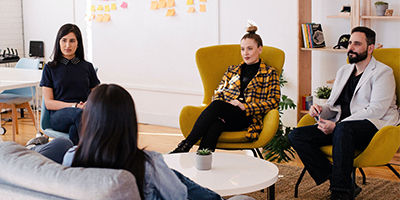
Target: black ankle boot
{"x": 183, "y": 147}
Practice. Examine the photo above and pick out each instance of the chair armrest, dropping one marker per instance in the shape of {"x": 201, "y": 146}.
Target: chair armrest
{"x": 306, "y": 120}
{"x": 270, "y": 126}
{"x": 381, "y": 149}
{"x": 188, "y": 117}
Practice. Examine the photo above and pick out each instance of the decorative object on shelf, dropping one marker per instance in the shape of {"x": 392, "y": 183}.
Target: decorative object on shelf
{"x": 343, "y": 42}
{"x": 203, "y": 159}
{"x": 279, "y": 148}
{"x": 313, "y": 37}
{"x": 381, "y": 7}
{"x": 389, "y": 12}
{"x": 323, "y": 93}
{"x": 346, "y": 10}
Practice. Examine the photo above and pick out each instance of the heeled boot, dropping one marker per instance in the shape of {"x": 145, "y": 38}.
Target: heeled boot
{"x": 183, "y": 147}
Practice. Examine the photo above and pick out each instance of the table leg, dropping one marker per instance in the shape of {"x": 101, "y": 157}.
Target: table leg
{"x": 271, "y": 192}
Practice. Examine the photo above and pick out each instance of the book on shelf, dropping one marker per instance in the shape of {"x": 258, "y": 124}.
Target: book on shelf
{"x": 307, "y": 102}
{"x": 313, "y": 36}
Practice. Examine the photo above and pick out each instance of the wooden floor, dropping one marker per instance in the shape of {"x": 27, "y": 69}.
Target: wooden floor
{"x": 164, "y": 139}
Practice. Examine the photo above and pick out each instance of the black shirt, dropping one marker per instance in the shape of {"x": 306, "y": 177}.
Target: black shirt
{"x": 347, "y": 94}
{"x": 247, "y": 73}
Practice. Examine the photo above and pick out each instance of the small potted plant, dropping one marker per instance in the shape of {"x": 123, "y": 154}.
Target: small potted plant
{"x": 322, "y": 93}
{"x": 203, "y": 159}
{"x": 381, "y": 7}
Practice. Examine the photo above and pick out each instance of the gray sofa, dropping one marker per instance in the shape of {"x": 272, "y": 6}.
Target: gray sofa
{"x": 25, "y": 174}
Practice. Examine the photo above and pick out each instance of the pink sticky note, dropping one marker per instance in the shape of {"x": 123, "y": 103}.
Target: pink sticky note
{"x": 124, "y": 4}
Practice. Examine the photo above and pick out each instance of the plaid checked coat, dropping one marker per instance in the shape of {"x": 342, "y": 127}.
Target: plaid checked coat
{"x": 261, "y": 95}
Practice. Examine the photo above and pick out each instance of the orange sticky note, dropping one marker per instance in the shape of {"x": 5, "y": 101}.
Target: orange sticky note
{"x": 124, "y": 4}
{"x": 203, "y": 0}
{"x": 92, "y": 16}
{"x": 161, "y": 4}
{"x": 99, "y": 17}
{"x": 170, "y": 3}
{"x": 114, "y": 6}
{"x": 191, "y": 9}
{"x": 100, "y": 7}
{"x": 170, "y": 12}
{"x": 107, "y": 8}
{"x": 154, "y": 5}
{"x": 202, "y": 8}
{"x": 106, "y": 18}
{"x": 87, "y": 17}
{"x": 93, "y": 8}
{"x": 189, "y": 2}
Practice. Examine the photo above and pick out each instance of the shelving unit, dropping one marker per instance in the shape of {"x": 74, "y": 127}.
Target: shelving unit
{"x": 360, "y": 15}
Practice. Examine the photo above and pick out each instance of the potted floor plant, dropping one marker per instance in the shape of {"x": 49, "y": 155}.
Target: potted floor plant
{"x": 203, "y": 159}
{"x": 381, "y": 7}
{"x": 322, "y": 93}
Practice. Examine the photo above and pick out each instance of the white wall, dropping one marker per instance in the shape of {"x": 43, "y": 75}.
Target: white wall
{"x": 11, "y": 31}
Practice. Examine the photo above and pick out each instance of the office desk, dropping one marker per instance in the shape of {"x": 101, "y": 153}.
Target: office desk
{"x": 12, "y": 78}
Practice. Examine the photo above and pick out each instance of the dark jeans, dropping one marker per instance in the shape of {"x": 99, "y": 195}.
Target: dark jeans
{"x": 219, "y": 116}
{"x": 67, "y": 120}
{"x": 195, "y": 191}
{"x": 55, "y": 149}
{"x": 345, "y": 138}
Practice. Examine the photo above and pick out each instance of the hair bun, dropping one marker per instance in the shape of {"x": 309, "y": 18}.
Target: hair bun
{"x": 252, "y": 29}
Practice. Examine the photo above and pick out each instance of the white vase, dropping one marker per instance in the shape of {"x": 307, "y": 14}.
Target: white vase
{"x": 203, "y": 162}
{"x": 380, "y": 9}
{"x": 322, "y": 101}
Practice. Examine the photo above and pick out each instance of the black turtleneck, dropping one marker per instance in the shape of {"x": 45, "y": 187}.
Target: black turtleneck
{"x": 247, "y": 73}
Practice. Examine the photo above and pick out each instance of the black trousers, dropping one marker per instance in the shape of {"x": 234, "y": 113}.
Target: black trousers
{"x": 219, "y": 116}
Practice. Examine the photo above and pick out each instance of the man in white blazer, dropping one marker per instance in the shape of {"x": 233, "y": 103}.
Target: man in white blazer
{"x": 362, "y": 101}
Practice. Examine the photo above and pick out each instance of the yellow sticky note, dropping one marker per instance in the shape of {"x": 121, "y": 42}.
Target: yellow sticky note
{"x": 191, "y": 9}
{"x": 107, "y": 8}
{"x": 170, "y": 12}
{"x": 106, "y": 18}
{"x": 170, "y": 3}
{"x": 203, "y": 0}
{"x": 114, "y": 6}
{"x": 93, "y": 8}
{"x": 100, "y": 7}
{"x": 154, "y": 5}
{"x": 161, "y": 4}
{"x": 189, "y": 2}
{"x": 99, "y": 17}
{"x": 202, "y": 8}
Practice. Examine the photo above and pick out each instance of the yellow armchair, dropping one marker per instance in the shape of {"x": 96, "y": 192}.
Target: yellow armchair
{"x": 212, "y": 62}
{"x": 386, "y": 141}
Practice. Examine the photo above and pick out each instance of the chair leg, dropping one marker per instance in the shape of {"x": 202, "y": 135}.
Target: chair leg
{"x": 14, "y": 120}
{"x": 296, "y": 189}
{"x": 259, "y": 153}
{"x": 254, "y": 152}
{"x": 393, "y": 170}
{"x": 363, "y": 175}
{"x": 353, "y": 184}
{"x": 30, "y": 112}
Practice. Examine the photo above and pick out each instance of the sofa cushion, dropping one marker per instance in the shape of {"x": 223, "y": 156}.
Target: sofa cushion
{"x": 23, "y": 168}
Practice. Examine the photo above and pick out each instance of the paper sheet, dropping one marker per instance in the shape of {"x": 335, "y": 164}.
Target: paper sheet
{"x": 114, "y": 6}
{"x": 161, "y": 4}
{"x": 100, "y": 7}
{"x": 203, "y": 0}
{"x": 170, "y": 3}
{"x": 124, "y": 4}
{"x": 170, "y": 12}
{"x": 189, "y": 2}
{"x": 154, "y": 5}
{"x": 93, "y": 8}
{"x": 107, "y": 8}
{"x": 202, "y": 8}
{"x": 191, "y": 9}
{"x": 106, "y": 18}
{"x": 99, "y": 17}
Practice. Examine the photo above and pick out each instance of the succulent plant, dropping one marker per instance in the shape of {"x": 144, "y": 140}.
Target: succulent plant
{"x": 323, "y": 92}
{"x": 380, "y": 3}
{"x": 204, "y": 152}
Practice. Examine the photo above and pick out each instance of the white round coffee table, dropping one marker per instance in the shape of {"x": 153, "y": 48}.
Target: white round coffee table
{"x": 231, "y": 174}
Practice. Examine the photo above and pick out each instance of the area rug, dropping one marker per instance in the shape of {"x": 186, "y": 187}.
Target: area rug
{"x": 375, "y": 188}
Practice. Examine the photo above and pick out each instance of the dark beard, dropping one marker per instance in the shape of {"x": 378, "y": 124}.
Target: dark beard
{"x": 359, "y": 56}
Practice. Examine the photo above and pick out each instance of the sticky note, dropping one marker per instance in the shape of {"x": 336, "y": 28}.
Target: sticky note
{"x": 87, "y": 17}
{"x": 202, "y": 8}
{"x": 106, "y": 18}
{"x": 99, "y": 17}
{"x": 92, "y": 16}
{"x": 114, "y": 6}
{"x": 203, "y": 0}
{"x": 100, "y": 7}
{"x": 161, "y": 4}
{"x": 170, "y": 12}
{"x": 189, "y": 2}
{"x": 93, "y": 8}
{"x": 124, "y": 4}
{"x": 170, "y": 3}
{"x": 191, "y": 9}
{"x": 154, "y": 5}
{"x": 107, "y": 8}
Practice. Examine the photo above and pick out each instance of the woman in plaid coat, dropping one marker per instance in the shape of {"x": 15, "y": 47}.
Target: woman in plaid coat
{"x": 246, "y": 93}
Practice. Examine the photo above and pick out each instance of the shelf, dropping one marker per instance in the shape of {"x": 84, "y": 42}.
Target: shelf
{"x": 339, "y": 16}
{"x": 304, "y": 111}
{"x": 330, "y": 49}
{"x": 380, "y": 17}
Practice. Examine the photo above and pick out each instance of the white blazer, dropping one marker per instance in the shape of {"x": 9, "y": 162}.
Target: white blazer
{"x": 374, "y": 98}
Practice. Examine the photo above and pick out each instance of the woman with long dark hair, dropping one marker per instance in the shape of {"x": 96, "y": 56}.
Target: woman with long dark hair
{"x": 67, "y": 81}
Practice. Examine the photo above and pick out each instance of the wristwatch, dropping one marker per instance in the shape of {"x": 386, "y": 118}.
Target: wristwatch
{"x": 74, "y": 106}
